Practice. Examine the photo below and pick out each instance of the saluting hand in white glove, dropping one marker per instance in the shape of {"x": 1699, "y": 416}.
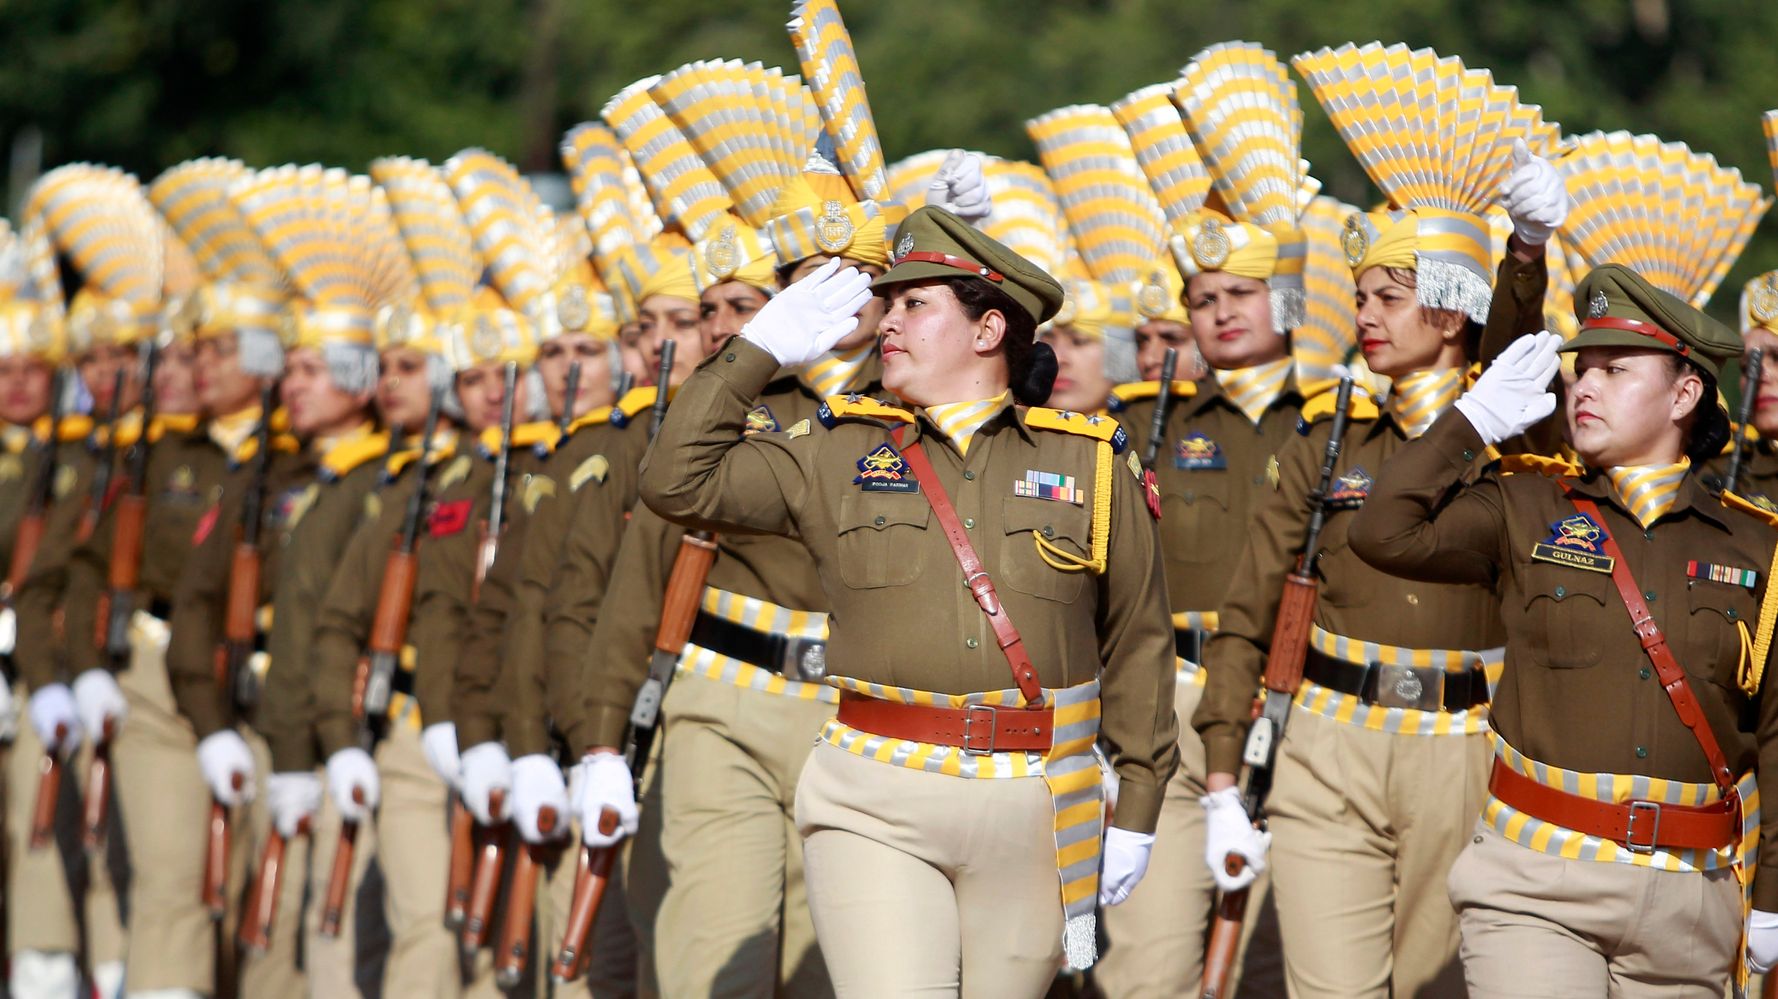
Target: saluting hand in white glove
{"x": 1535, "y": 196}
{"x": 1229, "y": 832}
{"x": 960, "y": 188}
{"x": 1513, "y": 394}
{"x": 805, "y": 320}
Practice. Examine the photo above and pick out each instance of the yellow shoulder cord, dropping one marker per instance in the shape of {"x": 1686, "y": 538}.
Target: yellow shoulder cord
{"x": 1067, "y": 561}
{"x": 1751, "y": 673}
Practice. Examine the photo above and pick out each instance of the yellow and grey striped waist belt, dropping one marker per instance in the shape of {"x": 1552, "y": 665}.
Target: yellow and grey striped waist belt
{"x": 1396, "y": 677}
{"x": 795, "y": 657}
{"x": 1191, "y": 635}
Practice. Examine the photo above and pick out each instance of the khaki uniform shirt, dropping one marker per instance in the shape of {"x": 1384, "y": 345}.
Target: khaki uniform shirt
{"x": 1578, "y": 691}
{"x": 900, "y": 613}
{"x": 41, "y": 652}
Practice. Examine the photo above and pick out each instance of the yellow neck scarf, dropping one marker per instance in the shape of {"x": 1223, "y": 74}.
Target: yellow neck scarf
{"x": 836, "y": 372}
{"x": 231, "y": 430}
{"x": 1416, "y": 399}
{"x": 1253, "y": 390}
{"x": 960, "y": 420}
{"x": 1648, "y": 490}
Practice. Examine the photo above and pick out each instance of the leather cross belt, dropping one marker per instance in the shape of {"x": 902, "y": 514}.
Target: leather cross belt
{"x": 978, "y": 729}
{"x": 1638, "y": 826}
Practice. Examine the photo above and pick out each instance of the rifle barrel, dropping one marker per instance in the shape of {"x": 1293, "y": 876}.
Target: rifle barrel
{"x": 663, "y": 381}
{"x": 1158, "y": 427}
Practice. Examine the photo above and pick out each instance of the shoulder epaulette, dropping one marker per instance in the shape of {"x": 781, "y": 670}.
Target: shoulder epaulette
{"x": 440, "y": 451}
{"x": 1540, "y": 464}
{"x": 76, "y": 427}
{"x": 1735, "y": 502}
{"x": 1321, "y": 407}
{"x": 1746, "y": 432}
{"x": 597, "y": 417}
{"x": 541, "y": 435}
{"x": 1123, "y": 395}
{"x": 844, "y": 407}
{"x": 129, "y": 429}
{"x": 352, "y": 453}
{"x": 1100, "y": 428}
{"x": 286, "y": 443}
{"x": 635, "y": 401}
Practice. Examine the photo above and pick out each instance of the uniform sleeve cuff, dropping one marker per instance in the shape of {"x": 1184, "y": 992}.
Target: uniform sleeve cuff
{"x": 1765, "y": 886}
{"x": 526, "y": 739}
{"x": 1222, "y": 752}
{"x": 605, "y": 725}
{"x": 336, "y": 734}
{"x": 1456, "y": 439}
{"x": 1138, "y": 807}
{"x": 476, "y": 729}
{"x": 292, "y": 752}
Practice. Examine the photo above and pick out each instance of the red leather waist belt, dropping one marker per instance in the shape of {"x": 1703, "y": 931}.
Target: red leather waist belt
{"x": 979, "y": 729}
{"x": 1638, "y": 826}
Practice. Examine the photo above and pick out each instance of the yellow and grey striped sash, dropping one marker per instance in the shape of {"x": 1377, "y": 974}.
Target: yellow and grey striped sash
{"x": 765, "y": 616}
{"x": 1205, "y": 621}
{"x": 1069, "y": 768}
{"x": 1349, "y": 710}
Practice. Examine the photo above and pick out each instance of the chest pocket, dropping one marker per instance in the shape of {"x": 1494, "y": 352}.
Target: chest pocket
{"x": 1713, "y": 636}
{"x": 1195, "y": 521}
{"x": 1570, "y": 610}
{"x": 1063, "y": 525}
{"x": 880, "y": 538}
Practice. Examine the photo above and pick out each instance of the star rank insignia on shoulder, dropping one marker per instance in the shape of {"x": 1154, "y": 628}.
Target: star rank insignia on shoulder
{"x": 1576, "y": 541}
{"x": 883, "y": 470}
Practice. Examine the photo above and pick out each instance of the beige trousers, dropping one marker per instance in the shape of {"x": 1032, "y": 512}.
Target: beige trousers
{"x": 1537, "y": 926}
{"x": 1157, "y": 935}
{"x": 1365, "y": 826}
{"x": 923, "y": 884}
{"x": 645, "y": 875}
{"x": 43, "y": 913}
{"x": 735, "y": 910}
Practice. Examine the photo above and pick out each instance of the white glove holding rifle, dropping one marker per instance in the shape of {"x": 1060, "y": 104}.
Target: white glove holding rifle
{"x": 1229, "y": 832}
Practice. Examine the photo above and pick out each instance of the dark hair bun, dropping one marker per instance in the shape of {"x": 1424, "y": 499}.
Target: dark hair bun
{"x": 1032, "y": 386}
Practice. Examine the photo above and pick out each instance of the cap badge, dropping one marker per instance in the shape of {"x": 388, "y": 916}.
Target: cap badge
{"x": 1070, "y": 309}
{"x": 486, "y": 339}
{"x": 1151, "y": 298}
{"x": 38, "y": 335}
{"x": 723, "y": 256}
{"x": 904, "y": 246}
{"x": 573, "y": 309}
{"x": 1763, "y": 302}
{"x": 1354, "y": 241}
{"x": 398, "y": 325}
{"x": 1211, "y": 246}
{"x": 289, "y": 331}
{"x": 833, "y": 230}
{"x": 1597, "y": 304}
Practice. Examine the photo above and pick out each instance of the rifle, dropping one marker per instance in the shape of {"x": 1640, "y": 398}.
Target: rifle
{"x": 662, "y": 385}
{"x": 1157, "y": 428}
{"x": 30, "y": 530}
{"x": 625, "y": 382}
{"x": 570, "y": 395}
{"x": 488, "y": 544}
{"x": 239, "y": 627}
{"x": 521, "y": 898}
{"x": 1749, "y": 402}
{"x": 215, "y": 886}
{"x": 123, "y": 572}
{"x": 1283, "y": 675}
{"x": 487, "y": 878}
{"x": 333, "y": 906}
{"x": 101, "y": 484}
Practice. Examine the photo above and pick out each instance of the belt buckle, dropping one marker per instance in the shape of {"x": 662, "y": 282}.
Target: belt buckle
{"x": 1630, "y": 841}
{"x": 974, "y": 715}
{"x": 1406, "y": 687}
{"x": 804, "y": 659}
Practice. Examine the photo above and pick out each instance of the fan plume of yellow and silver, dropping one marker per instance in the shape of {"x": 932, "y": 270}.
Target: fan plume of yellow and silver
{"x": 1027, "y": 218}
{"x": 242, "y": 288}
{"x": 634, "y": 263}
{"x": 30, "y": 310}
{"x": 1437, "y": 138}
{"x": 99, "y": 219}
{"x": 1239, "y": 103}
{"x": 830, "y": 65}
{"x": 439, "y": 244}
{"x": 1759, "y": 297}
{"x": 330, "y": 235}
{"x": 1328, "y": 335}
{"x": 1672, "y": 215}
{"x": 1180, "y": 182}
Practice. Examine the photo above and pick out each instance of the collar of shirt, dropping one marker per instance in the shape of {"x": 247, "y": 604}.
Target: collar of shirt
{"x": 1254, "y": 390}
{"x": 231, "y": 430}
{"x": 1419, "y": 397}
{"x": 1691, "y": 495}
{"x": 959, "y": 421}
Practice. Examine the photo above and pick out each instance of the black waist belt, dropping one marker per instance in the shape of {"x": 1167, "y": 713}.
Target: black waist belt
{"x": 794, "y": 658}
{"x": 1423, "y": 688}
{"x": 1190, "y": 643}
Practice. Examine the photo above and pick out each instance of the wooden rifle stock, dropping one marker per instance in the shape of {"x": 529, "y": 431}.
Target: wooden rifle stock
{"x": 679, "y": 611}
{"x": 1290, "y": 634}
{"x": 96, "y": 801}
{"x": 239, "y": 627}
{"x": 1769, "y": 988}
{"x": 49, "y": 788}
{"x": 1225, "y": 936}
{"x": 591, "y": 875}
{"x": 100, "y": 493}
{"x": 28, "y": 536}
{"x": 462, "y": 865}
{"x": 521, "y": 898}
{"x": 262, "y": 904}
{"x": 486, "y": 883}
{"x": 122, "y": 575}
{"x": 339, "y": 879}
{"x": 215, "y": 886}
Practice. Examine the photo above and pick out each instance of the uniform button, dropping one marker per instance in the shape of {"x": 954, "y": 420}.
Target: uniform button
{"x": 730, "y": 358}
{"x": 1648, "y": 595}
{"x": 1643, "y": 672}
{"x": 968, "y": 475}
{"x": 968, "y": 521}
{"x": 1478, "y": 839}
{"x": 1641, "y": 753}
{"x": 1731, "y": 613}
{"x": 1561, "y": 591}
{"x": 881, "y": 520}
{"x": 1468, "y": 455}
{"x": 1259, "y": 480}
{"x": 1413, "y": 600}
{"x": 970, "y": 642}
{"x": 1048, "y": 531}
{"x": 1648, "y": 534}
{"x": 1189, "y": 495}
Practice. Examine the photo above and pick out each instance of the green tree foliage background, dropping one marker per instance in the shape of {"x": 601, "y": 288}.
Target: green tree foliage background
{"x": 146, "y": 83}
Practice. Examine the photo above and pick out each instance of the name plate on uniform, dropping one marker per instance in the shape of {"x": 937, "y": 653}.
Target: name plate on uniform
{"x": 883, "y": 470}
{"x": 1577, "y": 542}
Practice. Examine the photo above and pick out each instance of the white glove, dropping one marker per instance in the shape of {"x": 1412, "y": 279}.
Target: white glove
{"x": 53, "y": 711}
{"x": 1228, "y": 831}
{"x": 959, "y": 188}
{"x": 352, "y": 769}
{"x": 439, "y": 742}
{"x": 291, "y": 798}
{"x": 1514, "y": 392}
{"x": 99, "y": 700}
{"x": 805, "y": 320}
{"x": 1762, "y": 941}
{"x": 223, "y": 756}
{"x": 1124, "y": 863}
{"x": 1534, "y": 196}
{"x": 486, "y": 767}
{"x": 9, "y": 715}
{"x": 606, "y": 783}
{"x": 537, "y": 784}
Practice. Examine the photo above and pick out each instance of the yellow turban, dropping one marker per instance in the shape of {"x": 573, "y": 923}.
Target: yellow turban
{"x": 488, "y": 329}
{"x": 1211, "y": 241}
{"x": 95, "y": 319}
{"x": 665, "y": 266}
{"x": 28, "y": 328}
{"x": 817, "y": 214}
{"x": 1091, "y": 308}
{"x": 735, "y": 251}
{"x": 220, "y": 307}
{"x": 1447, "y": 251}
{"x": 1160, "y": 294}
{"x": 1759, "y": 302}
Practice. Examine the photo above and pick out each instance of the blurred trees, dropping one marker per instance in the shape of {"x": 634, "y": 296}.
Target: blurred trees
{"x": 146, "y": 83}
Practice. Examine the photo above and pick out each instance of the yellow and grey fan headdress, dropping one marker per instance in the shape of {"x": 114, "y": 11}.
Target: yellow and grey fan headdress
{"x": 1672, "y": 215}
{"x": 1239, "y": 103}
{"x": 1177, "y": 176}
{"x": 438, "y": 242}
{"x": 1328, "y": 333}
{"x": 1437, "y": 138}
{"x": 242, "y": 289}
{"x": 1759, "y": 297}
{"x": 635, "y": 258}
{"x": 99, "y": 221}
{"x": 837, "y": 203}
{"x": 30, "y": 309}
{"x": 329, "y": 234}
{"x": 1115, "y": 221}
